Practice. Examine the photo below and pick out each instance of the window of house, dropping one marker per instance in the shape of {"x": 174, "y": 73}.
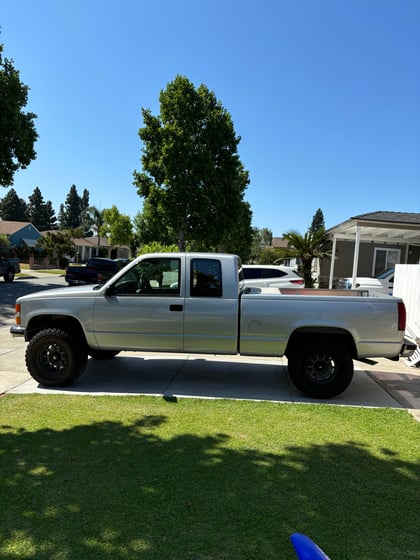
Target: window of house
{"x": 384, "y": 259}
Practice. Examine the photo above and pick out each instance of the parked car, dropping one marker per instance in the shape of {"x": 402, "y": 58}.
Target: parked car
{"x": 382, "y": 283}
{"x": 95, "y": 271}
{"x": 271, "y": 276}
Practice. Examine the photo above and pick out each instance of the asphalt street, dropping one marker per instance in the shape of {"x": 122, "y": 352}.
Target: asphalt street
{"x": 173, "y": 376}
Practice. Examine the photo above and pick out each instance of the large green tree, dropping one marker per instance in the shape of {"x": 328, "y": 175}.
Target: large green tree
{"x": 150, "y": 226}
{"x": 237, "y": 238}
{"x": 192, "y": 173}
{"x": 17, "y": 129}
{"x": 50, "y": 215}
{"x": 4, "y": 244}
{"x": 13, "y": 208}
{"x": 318, "y": 221}
{"x": 117, "y": 227}
{"x": 59, "y": 245}
{"x": 261, "y": 239}
{"x": 72, "y": 211}
{"x": 41, "y": 213}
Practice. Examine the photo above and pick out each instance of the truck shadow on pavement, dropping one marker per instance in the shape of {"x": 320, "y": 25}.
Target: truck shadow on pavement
{"x": 195, "y": 377}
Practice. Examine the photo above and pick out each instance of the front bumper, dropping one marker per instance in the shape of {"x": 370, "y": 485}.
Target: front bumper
{"x": 17, "y": 330}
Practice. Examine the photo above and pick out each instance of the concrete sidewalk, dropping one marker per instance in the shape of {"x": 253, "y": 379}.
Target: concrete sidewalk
{"x": 388, "y": 384}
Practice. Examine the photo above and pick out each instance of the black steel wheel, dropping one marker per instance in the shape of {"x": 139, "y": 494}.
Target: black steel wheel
{"x": 102, "y": 354}
{"x": 54, "y": 358}
{"x": 321, "y": 369}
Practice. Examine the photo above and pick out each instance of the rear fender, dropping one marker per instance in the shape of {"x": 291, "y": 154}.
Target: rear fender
{"x": 306, "y": 335}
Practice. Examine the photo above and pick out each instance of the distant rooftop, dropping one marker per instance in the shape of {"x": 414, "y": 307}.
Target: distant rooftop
{"x": 392, "y": 217}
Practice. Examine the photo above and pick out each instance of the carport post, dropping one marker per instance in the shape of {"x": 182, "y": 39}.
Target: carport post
{"x": 356, "y": 257}
{"x": 330, "y": 283}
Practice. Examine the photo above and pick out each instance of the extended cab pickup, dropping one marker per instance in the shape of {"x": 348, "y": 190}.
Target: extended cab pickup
{"x": 196, "y": 303}
{"x": 8, "y": 268}
{"x": 95, "y": 270}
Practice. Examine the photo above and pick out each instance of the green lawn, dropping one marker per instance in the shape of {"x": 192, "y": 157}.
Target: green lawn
{"x": 26, "y": 271}
{"x": 126, "y": 478}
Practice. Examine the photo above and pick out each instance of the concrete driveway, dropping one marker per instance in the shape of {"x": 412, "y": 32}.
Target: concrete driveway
{"x": 184, "y": 375}
{"x": 388, "y": 384}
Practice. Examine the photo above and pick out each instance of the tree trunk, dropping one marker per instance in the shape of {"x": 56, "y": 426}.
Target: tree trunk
{"x": 181, "y": 240}
{"x": 307, "y": 273}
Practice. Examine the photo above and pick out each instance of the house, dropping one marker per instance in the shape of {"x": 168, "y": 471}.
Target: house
{"x": 88, "y": 247}
{"x": 280, "y": 243}
{"x": 368, "y": 244}
{"x": 20, "y": 234}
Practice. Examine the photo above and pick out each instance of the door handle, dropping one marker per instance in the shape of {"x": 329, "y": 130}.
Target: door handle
{"x": 176, "y": 307}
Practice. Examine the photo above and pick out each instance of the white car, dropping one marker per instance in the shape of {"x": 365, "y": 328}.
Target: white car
{"x": 382, "y": 283}
{"x": 259, "y": 276}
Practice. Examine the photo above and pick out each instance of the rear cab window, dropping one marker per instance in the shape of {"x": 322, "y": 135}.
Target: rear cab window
{"x": 206, "y": 278}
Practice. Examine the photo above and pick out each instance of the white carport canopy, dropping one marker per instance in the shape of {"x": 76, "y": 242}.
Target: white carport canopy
{"x": 378, "y": 227}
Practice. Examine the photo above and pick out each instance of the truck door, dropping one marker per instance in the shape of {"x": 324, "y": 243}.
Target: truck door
{"x": 211, "y": 317}
{"x": 143, "y": 309}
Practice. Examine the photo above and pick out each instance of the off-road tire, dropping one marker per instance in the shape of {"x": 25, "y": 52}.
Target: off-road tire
{"x": 321, "y": 369}
{"x": 54, "y": 358}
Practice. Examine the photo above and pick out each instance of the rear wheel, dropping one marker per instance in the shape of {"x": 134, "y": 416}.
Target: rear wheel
{"x": 54, "y": 358}
{"x": 9, "y": 275}
{"x": 321, "y": 370}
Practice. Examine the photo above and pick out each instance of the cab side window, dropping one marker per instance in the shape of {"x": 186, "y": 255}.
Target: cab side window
{"x": 152, "y": 277}
{"x": 206, "y": 278}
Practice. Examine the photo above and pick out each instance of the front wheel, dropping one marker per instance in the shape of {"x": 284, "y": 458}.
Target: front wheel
{"x": 54, "y": 358}
{"x": 321, "y": 370}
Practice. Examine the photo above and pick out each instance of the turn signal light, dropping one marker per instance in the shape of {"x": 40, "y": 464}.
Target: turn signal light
{"x": 17, "y": 313}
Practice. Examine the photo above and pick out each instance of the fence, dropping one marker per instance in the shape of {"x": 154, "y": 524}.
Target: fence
{"x": 38, "y": 263}
{"x": 407, "y": 286}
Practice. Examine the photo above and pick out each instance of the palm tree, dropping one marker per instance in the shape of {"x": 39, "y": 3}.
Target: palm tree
{"x": 94, "y": 218}
{"x": 312, "y": 245}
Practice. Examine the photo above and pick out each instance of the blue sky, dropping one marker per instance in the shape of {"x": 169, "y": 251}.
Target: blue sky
{"x": 325, "y": 95}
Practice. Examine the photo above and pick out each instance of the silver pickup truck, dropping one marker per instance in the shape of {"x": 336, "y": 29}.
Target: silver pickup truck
{"x": 197, "y": 303}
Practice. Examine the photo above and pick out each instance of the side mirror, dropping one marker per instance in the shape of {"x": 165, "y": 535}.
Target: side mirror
{"x": 110, "y": 291}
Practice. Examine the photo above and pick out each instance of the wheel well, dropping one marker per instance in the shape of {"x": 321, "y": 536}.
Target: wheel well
{"x": 316, "y": 334}
{"x": 63, "y": 322}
